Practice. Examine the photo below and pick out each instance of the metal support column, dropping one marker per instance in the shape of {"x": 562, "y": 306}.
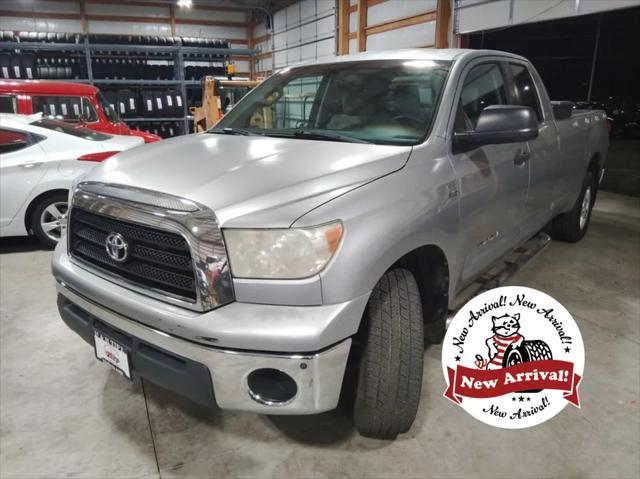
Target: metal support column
{"x": 594, "y": 59}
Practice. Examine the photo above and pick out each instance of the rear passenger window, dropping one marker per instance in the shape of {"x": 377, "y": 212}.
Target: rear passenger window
{"x": 11, "y": 141}
{"x": 68, "y": 108}
{"x": 526, "y": 94}
{"x": 8, "y": 104}
{"x": 484, "y": 86}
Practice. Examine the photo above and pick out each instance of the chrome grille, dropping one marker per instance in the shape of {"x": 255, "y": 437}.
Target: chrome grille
{"x": 176, "y": 255}
{"x": 157, "y": 260}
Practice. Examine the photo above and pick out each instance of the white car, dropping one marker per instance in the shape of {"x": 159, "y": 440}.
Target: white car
{"x": 39, "y": 160}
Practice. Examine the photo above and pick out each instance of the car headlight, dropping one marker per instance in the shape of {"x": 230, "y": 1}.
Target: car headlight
{"x": 292, "y": 253}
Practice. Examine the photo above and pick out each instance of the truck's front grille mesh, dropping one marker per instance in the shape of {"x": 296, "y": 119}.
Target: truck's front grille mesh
{"x": 156, "y": 259}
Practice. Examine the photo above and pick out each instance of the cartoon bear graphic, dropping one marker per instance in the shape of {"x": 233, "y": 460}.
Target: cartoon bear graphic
{"x": 506, "y": 333}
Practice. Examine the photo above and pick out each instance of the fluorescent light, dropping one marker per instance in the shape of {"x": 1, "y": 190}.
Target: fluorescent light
{"x": 185, "y": 3}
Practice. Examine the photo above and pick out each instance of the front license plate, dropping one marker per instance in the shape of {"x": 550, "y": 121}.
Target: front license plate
{"x": 112, "y": 353}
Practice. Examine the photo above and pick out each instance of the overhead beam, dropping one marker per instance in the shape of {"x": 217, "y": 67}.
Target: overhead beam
{"x": 211, "y": 23}
{"x": 39, "y": 15}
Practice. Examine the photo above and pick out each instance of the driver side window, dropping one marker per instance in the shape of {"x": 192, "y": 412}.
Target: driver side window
{"x": 483, "y": 86}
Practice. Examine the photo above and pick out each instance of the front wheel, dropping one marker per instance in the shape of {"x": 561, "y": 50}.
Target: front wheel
{"x": 47, "y": 220}
{"x": 390, "y": 369}
{"x": 572, "y": 225}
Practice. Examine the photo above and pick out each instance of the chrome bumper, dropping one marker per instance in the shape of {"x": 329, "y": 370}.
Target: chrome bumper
{"x": 318, "y": 376}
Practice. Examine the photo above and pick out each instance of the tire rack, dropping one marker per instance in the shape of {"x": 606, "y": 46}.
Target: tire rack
{"x": 178, "y": 53}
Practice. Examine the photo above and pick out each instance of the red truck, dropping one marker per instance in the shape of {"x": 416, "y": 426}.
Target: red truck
{"x": 73, "y": 102}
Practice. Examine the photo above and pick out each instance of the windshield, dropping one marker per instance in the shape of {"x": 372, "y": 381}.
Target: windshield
{"x": 110, "y": 113}
{"x": 388, "y": 102}
{"x": 63, "y": 127}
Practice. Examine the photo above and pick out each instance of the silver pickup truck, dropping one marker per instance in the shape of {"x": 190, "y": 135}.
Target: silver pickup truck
{"x": 323, "y": 225}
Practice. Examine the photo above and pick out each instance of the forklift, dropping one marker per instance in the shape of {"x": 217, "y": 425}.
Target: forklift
{"x": 213, "y": 105}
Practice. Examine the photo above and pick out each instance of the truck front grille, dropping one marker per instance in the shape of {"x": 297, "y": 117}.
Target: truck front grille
{"x": 156, "y": 259}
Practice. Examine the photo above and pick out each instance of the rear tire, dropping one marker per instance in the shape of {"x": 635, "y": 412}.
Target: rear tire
{"x": 47, "y": 218}
{"x": 390, "y": 370}
{"x": 572, "y": 225}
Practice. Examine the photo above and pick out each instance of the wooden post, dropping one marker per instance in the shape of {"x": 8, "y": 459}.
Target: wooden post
{"x": 83, "y": 16}
{"x": 362, "y": 25}
{"x": 251, "y": 23}
{"x": 172, "y": 19}
{"x": 343, "y": 27}
{"x": 443, "y": 17}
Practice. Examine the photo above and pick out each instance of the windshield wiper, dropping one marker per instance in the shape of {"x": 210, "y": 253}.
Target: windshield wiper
{"x": 323, "y": 135}
{"x": 234, "y": 131}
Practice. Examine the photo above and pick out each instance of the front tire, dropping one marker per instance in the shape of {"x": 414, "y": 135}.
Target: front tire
{"x": 572, "y": 225}
{"x": 48, "y": 217}
{"x": 390, "y": 370}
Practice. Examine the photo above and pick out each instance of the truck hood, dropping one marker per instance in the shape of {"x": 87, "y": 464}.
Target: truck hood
{"x": 252, "y": 181}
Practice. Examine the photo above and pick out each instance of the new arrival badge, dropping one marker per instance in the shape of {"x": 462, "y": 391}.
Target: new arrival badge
{"x": 513, "y": 357}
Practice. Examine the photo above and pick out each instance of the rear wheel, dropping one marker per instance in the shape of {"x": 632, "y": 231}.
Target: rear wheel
{"x": 389, "y": 381}
{"x": 572, "y": 225}
{"x": 48, "y": 217}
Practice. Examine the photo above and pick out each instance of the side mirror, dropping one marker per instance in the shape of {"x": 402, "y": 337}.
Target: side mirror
{"x": 499, "y": 124}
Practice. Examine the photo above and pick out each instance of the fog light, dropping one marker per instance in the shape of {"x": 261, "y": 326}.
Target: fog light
{"x": 271, "y": 387}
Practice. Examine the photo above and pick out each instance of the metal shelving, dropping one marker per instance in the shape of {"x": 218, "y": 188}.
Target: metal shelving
{"x": 176, "y": 53}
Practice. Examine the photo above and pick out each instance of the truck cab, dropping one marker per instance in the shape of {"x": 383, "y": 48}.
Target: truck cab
{"x": 72, "y": 102}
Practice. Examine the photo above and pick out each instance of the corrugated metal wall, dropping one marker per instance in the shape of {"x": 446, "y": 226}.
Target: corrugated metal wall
{"x": 40, "y": 23}
{"x": 303, "y": 31}
{"x": 412, "y": 36}
{"x": 41, "y": 7}
{"x": 476, "y": 15}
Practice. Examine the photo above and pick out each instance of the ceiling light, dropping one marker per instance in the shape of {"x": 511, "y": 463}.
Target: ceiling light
{"x": 185, "y": 3}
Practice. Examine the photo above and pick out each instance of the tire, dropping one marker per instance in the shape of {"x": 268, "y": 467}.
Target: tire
{"x": 389, "y": 380}
{"x": 535, "y": 350}
{"x": 572, "y": 225}
{"x": 41, "y": 214}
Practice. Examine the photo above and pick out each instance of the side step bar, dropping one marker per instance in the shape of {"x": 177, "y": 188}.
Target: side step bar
{"x": 502, "y": 270}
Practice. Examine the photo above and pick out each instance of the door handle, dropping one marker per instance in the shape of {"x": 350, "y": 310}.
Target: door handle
{"x": 33, "y": 164}
{"x": 521, "y": 157}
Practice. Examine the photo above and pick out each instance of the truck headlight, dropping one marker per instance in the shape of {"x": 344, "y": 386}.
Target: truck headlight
{"x": 291, "y": 253}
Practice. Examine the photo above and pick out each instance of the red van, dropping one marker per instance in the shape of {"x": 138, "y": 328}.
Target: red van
{"x": 73, "y": 102}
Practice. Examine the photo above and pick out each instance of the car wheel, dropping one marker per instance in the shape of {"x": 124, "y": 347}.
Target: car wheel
{"x": 572, "y": 225}
{"x": 48, "y": 219}
{"x": 389, "y": 375}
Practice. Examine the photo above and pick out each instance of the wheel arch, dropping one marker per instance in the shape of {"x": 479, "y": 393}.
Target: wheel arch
{"x": 429, "y": 265}
{"x": 34, "y": 202}
{"x": 595, "y": 165}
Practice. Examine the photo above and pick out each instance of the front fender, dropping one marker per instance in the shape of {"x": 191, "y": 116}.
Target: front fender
{"x": 386, "y": 219}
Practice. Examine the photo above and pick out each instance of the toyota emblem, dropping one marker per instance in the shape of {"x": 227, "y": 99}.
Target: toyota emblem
{"x": 117, "y": 247}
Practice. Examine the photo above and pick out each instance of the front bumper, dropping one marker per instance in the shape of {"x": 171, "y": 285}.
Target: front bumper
{"x": 185, "y": 366}
{"x": 237, "y": 325}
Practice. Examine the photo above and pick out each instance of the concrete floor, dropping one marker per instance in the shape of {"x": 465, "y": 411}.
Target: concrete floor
{"x": 63, "y": 414}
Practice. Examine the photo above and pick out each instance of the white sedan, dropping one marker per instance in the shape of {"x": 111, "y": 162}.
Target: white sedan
{"x": 39, "y": 160}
